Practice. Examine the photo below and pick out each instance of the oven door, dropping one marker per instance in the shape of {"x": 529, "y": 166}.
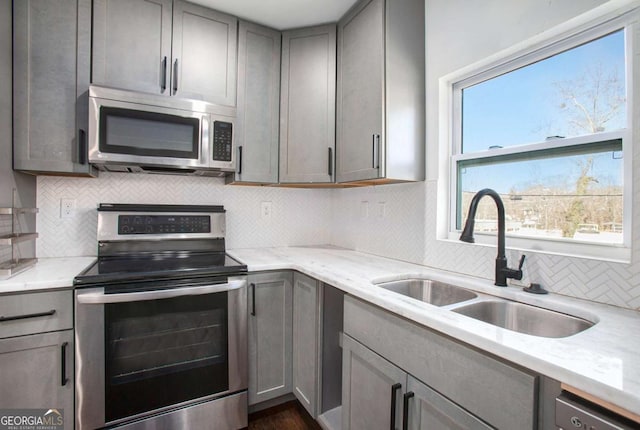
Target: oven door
{"x": 148, "y": 351}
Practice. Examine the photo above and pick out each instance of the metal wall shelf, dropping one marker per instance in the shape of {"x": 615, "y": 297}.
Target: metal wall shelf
{"x": 13, "y": 267}
{"x": 16, "y": 264}
{"x": 11, "y": 239}
{"x": 18, "y": 211}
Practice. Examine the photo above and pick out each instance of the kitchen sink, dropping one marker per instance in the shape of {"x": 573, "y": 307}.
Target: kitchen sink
{"x": 429, "y": 291}
{"x": 525, "y": 318}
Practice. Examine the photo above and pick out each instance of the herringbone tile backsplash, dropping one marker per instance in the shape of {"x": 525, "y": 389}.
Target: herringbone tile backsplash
{"x": 299, "y": 217}
{"x": 395, "y": 221}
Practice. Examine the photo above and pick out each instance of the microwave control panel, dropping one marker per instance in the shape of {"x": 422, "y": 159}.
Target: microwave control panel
{"x": 222, "y": 138}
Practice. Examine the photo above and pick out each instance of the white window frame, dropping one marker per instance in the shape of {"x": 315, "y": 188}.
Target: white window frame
{"x": 555, "y": 41}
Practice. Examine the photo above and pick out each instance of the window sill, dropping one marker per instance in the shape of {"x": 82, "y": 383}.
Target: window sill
{"x": 559, "y": 247}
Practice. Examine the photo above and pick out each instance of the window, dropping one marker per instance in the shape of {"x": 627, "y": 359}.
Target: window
{"x": 549, "y": 131}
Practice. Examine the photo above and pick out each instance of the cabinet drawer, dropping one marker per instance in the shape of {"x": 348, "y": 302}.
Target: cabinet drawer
{"x": 500, "y": 394}
{"x": 29, "y": 313}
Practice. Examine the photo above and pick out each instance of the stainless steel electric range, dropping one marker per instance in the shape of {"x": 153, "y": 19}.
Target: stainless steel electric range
{"x": 161, "y": 322}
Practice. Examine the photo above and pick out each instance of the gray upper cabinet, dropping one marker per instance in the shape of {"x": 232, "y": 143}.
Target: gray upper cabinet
{"x": 306, "y": 341}
{"x": 258, "y": 117}
{"x": 132, "y": 44}
{"x": 204, "y": 54}
{"x": 51, "y": 56}
{"x": 307, "y": 105}
{"x": 380, "y": 92}
{"x": 173, "y": 48}
{"x": 270, "y": 335}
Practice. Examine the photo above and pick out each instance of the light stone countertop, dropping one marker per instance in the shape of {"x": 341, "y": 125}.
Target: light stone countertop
{"x": 48, "y": 273}
{"x": 603, "y": 361}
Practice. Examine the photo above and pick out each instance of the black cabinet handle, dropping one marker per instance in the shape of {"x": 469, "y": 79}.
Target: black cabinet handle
{"x": 253, "y": 299}
{"x": 175, "y": 76}
{"x": 373, "y": 151}
{"x": 240, "y": 160}
{"x": 405, "y": 409}
{"x": 394, "y": 396}
{"x": 330, "y": 162}
{"x": 64, "y": 363}
{"x": 163, "y": 84}
{"x": 83, "y": 147}
{"x": 25, "y": 316}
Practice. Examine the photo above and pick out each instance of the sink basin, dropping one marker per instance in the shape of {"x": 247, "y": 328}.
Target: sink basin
{"x": 525, "y": 318}
{"x": 432, "y": 292}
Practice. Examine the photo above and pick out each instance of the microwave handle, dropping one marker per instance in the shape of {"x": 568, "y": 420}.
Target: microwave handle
{"x": 101, "y": 298}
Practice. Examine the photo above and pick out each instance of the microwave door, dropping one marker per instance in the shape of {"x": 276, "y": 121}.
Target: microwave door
{"x": 126, "y": 133}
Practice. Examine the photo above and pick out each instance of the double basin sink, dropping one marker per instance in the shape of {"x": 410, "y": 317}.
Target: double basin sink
{"x": 510, "y": 315}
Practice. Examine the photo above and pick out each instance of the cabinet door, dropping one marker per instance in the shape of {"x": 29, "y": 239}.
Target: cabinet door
{"x": 51, "y": 54}
{"x": 132, "y": 44}
{"x": 270, "y": 334}
{"x": 428, "y": 410}
{"x": 307, "y": 105}
{"x": 360, "y": 100}
{"x": 32, "y": 373}
{"x": 258, "y": 103}
{"x": 306, "y": 339}
{"x": 372, "y": 389}
{"x": 204, "y": 54}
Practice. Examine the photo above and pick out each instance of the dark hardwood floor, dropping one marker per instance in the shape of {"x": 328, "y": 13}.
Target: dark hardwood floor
{"x": 288, "y": 416}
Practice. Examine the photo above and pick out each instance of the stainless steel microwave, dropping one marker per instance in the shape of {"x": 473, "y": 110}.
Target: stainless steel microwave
{"x": 147, "y": 133}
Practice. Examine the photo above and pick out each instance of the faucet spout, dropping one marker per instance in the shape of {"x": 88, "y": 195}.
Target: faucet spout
{"x": 502, "y": 272}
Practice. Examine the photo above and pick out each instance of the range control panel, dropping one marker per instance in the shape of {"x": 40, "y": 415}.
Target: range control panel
{"x": 163, "y": 224}
{"x": 222, "y": 140}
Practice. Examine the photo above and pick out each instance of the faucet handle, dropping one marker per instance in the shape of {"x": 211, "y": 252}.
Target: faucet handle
{"x": 521, "y": 262}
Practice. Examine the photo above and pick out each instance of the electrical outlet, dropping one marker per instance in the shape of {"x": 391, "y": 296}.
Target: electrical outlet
{"x": 67, "y": 208}
{"x": 364, "y": 209}
{"x": 382, "y": 210}
{"x": 265, "y": 210}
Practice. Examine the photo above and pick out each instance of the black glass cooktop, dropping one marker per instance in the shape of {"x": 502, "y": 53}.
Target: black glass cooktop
{"x": 155, "y": 266}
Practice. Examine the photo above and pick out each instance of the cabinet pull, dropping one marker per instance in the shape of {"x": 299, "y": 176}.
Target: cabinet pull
{"x": 163, "y": 85}
{"x": 240, "y": 160}
{"x": 394, "y": 396}
{"x": 373, "y": 151}
{"x": 64, "y": 379}
{"x": 405, "y": 409}
{"x": 175, "y": 77}
{"x": 25, "y": 316}
{"x": 253, "y": 299}
{"x": 330, "y": 162}
{"x": 83, "y": 147}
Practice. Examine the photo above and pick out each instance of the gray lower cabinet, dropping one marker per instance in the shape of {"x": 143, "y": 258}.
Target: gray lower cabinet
{"x": 51, "y": 65}
{"x": 258, "y": 120}
{"x": 307, "y": 105}
{"x": 270, "y": 335}
{"x": 492, "y": 391}
{"x": 380, "y": 125}
{"x": 166, "y": 47}
{"x": 380, "y": 395}
{"x": 306, "y": 341}
{"x": 372, "y": 389}
{"x": 37, "y": 353}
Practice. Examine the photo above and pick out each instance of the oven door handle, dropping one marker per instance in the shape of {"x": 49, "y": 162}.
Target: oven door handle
{"x": 101, "y": 298}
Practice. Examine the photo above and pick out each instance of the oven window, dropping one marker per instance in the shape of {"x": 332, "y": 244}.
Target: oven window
{"x": 163, "y": 352}
{"x": 150, "y": 134}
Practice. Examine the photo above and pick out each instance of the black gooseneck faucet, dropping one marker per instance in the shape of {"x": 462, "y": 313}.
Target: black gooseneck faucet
{"x": 502, "y": 271}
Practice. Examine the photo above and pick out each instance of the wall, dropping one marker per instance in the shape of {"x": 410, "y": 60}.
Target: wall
{"x": 460, "y": 33}
{"x": 299, "y": 216}
{"x": 10, "y": 180}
